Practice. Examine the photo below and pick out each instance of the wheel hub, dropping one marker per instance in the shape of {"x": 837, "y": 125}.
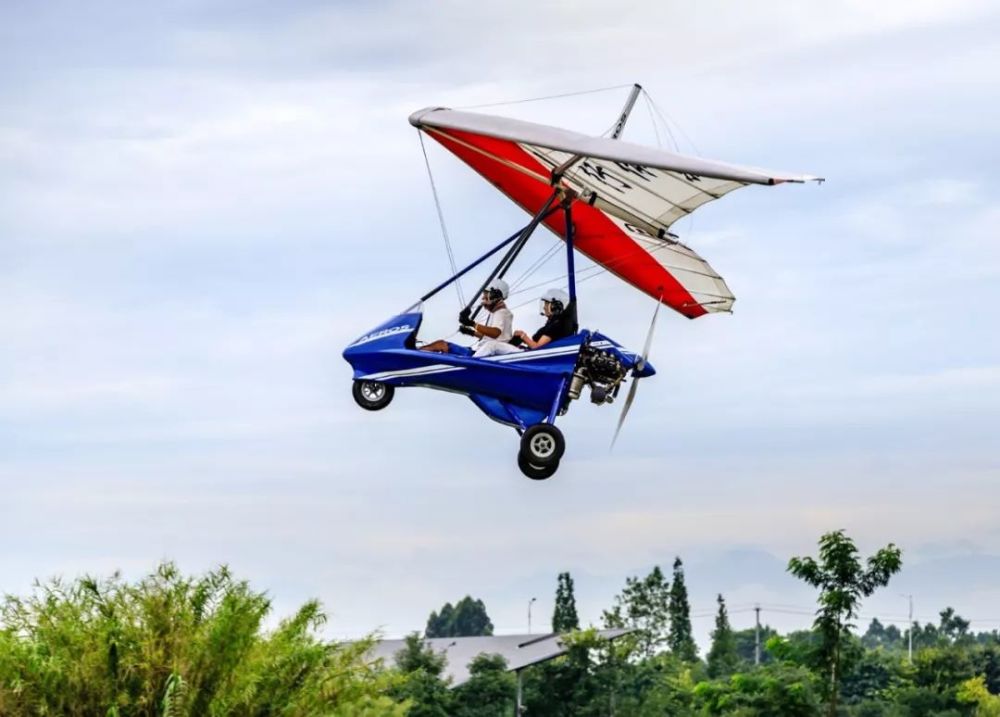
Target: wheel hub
{"x": 542, "y": 445}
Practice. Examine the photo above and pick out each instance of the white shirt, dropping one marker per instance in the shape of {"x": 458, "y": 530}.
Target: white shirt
{"x": 502, "y": 319}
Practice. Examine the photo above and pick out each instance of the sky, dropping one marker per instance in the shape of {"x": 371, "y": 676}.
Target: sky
{"x": 203, "y": 203}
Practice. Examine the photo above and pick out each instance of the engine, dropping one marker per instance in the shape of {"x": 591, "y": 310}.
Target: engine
{"x": 599, "y": 370}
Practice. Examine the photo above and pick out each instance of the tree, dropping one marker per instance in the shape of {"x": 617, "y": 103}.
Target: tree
{"x": 722, "y": 658}
{"x": 467, "y": 618}
{"x": 574, "y": 685}
{"x": 564, "y": 617}
{"x": 974, "y": 692}
{"x": 878, "y": 635}
{"x": 785, "y": 690}
{"x": 643, "y": 606}
{"x": 179, "y": 646}
{"x": 842, "y": 580}
{"x": 489, "y": 691}
{"x": 953, "y": 627}
{"x": 424, "y": 687}
{"x": 680, "y": 638}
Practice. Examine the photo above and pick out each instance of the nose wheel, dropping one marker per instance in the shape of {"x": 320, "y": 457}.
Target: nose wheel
{"x": 372, "y": 395}
{"x": 542, "y": 446}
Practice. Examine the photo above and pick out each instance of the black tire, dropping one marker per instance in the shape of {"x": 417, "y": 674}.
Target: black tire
{"x": 536, "y": 472}
{"x": 543, "y": 444}
{"x": 372, "y": 395}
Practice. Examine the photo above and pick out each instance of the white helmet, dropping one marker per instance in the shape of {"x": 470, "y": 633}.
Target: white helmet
{"x": 496, "y": 290}
{"x": 557, "y": 299}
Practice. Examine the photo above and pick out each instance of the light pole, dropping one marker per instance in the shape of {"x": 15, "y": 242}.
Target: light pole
{"x": 756, "y": 636}
{"x": 909, "y": 630}
{"x": 529, "y": 613}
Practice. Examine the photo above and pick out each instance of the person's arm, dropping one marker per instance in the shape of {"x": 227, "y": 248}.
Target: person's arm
{"x": 491, "y": 332}
{"x": 530, "y": 342}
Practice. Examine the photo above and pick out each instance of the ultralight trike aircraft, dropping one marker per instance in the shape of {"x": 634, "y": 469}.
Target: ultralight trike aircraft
{"x": 612, "y": 201}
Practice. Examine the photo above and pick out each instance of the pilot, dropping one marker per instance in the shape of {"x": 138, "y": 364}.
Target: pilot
{"x": 560, "y": 322}
{"x": 495, "y": 326}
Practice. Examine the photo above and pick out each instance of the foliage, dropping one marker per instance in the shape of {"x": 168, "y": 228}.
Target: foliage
{"x": 489, "y": 691}
{"x": 722, "y": 658}
{"x": 423, "y": 686}
{"x": 973, "y": 691}
{"x": 571, "y": 685}
{"x": 169, "y": 646}
{"x": 680, "y": 638}
{"x": 661, "y": 685}
{"x": 173, "y": 645}
{"x": 564, "y": 617}
{"x": 644, "y": 606}
{"x": 773, "y": 690}
{"x": 746, "y": 640}
{"x": 872, "y": 675}
{"x": 467, "y": 618}
{"x": 842, "y": 580}
{"x": 877, "y": 635}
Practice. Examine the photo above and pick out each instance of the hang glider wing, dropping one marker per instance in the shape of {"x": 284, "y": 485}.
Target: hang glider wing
{"x": 628, "y": 195}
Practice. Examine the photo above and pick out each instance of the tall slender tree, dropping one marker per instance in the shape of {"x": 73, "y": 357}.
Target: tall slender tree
{"x": 564, "y": 617}
{"x": 843, "y": 579}
{"x": 722, "y": 658}
{"x": 680, "y": 640}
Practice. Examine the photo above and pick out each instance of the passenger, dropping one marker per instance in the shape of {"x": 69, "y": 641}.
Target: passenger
{"x": 496, "y": 326}
{"x": 560, "y": 322}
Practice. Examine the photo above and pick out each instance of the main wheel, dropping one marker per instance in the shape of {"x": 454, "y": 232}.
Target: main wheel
{"x": 372, "y": 395}
{"x": 536, "y": 472}
{"x": 543, "y": 444}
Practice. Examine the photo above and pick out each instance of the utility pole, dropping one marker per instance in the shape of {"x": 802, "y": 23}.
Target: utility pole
{"x": 909, "y": 631}
{"x": 529, "y": 613}
{"x": 518, "y": 707}
{"x": 756, "y": 636}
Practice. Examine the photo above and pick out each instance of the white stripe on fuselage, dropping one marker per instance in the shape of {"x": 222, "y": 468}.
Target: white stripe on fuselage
{"x": 526, "y": 355}
{"x": 421, "y": 371}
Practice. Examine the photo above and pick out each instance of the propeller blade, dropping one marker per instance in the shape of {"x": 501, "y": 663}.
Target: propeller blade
{"x": 625, "y": 407}
{"x": 641, "y": 363}
{"x": 639, "y": 366}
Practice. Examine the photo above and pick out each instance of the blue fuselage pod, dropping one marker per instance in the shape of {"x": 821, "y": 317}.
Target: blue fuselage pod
{"x": 518, "y": 389}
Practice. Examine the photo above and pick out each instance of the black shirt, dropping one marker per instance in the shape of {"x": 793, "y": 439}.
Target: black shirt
{"x": 557, "y": 327}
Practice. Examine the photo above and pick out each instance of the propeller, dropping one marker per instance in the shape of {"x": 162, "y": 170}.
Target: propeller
{"x": 636, "y": 370}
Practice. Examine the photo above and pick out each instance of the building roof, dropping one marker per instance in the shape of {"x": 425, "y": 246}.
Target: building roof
{"x": 520, "y": 651}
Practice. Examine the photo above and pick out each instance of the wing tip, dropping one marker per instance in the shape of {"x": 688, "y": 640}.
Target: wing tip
{"x": 416, "y": 118}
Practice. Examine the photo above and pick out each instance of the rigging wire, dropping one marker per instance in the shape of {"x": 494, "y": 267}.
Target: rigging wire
{"x": 594, "y": 270}
{"x": 667, "y": 123}
{"x": 652, "y": 121}
{"x": 444, "y": 228}
{"x": 547, "y": 97}
{"x": 650, "y": 104}
{"x": 538, "y": 264}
